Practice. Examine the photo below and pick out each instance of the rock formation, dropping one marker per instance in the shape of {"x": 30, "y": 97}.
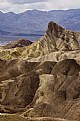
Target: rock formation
{"x": 19, "y": 81}
{"x": 58, "y": 92}
{"x": 45, "y": 89}
{"x": 39, "y": 80}
{"x": 56, "y": 41}
{"x": 17, "y": 43}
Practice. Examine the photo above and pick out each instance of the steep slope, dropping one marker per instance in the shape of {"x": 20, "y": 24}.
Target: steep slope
{"x": 56, "y": 38}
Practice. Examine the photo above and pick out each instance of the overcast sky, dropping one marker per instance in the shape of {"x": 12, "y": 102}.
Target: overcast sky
{"x": 19, "y": 6}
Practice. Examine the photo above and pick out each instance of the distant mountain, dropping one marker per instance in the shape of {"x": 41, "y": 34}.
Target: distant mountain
{"x": 35, "y": 22}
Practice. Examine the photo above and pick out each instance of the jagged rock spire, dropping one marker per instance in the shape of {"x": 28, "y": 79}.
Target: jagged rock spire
{"x": 54, "y": 29}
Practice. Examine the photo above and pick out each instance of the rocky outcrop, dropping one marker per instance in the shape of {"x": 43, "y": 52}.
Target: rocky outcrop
{"x": 19, "y": 81}
{"x": 17, "y": 43}
{"x": 58, "y": 93}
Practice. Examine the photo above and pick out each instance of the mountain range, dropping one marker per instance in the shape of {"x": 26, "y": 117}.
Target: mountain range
{"x": 33, "y": 23}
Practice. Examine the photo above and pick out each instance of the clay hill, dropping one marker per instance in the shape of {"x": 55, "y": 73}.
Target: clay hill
{"x": 41, "y": 82}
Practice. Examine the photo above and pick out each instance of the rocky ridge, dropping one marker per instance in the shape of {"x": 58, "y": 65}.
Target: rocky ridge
{"x": 56, "y": 40}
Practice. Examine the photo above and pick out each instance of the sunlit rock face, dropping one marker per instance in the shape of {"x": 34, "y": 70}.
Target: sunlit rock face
{"x": 58, "y": 92}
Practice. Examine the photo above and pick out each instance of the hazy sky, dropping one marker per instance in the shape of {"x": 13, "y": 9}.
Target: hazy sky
{"x": 18, "y": 6}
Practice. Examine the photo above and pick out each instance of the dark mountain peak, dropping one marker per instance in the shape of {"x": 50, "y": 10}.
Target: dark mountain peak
{"x": 55, "y": 29}
{"x": 23, "y": 41}
{"x": 18, "y": 43}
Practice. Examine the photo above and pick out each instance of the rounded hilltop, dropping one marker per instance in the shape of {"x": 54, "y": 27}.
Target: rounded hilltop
{"x": 18, "y": 43}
